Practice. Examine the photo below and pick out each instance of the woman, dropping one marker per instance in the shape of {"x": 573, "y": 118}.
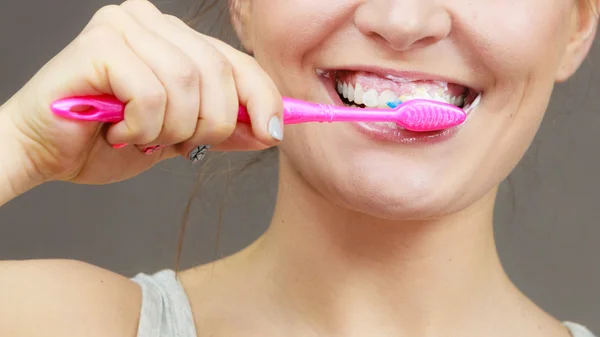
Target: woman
{"x": 376, "y": 232}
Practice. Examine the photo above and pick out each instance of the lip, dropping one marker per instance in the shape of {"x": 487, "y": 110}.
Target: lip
{"x": 383, "y": 133}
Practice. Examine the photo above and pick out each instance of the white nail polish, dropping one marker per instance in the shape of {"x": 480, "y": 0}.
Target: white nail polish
{"x": 276, "y": 128}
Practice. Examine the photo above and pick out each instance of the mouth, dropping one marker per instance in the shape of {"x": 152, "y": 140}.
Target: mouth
{"x": 364, "y": 89}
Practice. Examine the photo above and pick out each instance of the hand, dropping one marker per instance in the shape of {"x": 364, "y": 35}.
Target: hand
{"x": 181, "y": 88}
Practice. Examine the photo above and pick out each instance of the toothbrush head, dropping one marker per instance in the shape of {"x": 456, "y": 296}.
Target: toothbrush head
{"x": 423, "y": 115}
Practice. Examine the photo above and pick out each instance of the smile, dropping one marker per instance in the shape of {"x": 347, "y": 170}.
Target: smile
{"x": 363, "y": 89}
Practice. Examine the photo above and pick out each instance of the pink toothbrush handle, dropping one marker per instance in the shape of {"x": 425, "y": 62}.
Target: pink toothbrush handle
{"x": 105, "y": 108}
{"x": 415, "y": 115}
{"x": 108, "y": 109}
{"x": 419, "y": 115}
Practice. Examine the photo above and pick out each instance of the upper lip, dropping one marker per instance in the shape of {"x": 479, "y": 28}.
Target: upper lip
{"x": 409, "y": 75}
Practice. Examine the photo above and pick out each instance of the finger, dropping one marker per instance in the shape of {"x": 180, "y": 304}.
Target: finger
{"x": 242, "y": 139}
{"x": 218, "y": 95}
{"x": 255, "y": 90}
{"x": 177, "y": 73}
{"x": 117, "y": 70}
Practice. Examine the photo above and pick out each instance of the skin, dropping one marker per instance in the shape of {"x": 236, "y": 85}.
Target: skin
{"x": 399, "y": 238}
{"x": 368, "y": 238}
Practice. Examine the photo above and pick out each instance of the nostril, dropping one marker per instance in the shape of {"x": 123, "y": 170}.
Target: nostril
{"x": 379, "y": 39}
{"x": 402, "y": 42}
{"x": 424, "y": 41}
{"x": 414, "y": 24}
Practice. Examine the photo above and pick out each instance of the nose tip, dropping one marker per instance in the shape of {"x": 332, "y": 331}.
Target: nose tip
{"x": 404, "y": 25}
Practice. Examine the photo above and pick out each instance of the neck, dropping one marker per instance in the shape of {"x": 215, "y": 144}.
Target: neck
{"x": 336, "y": 266}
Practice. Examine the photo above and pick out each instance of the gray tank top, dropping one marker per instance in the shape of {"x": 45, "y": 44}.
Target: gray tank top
{"x": 166, "y": 310}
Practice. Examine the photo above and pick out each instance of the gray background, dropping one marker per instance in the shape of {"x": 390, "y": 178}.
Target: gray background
{"x": 546, "y": 220}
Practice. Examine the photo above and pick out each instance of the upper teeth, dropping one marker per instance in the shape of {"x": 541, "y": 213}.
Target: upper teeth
{"x": 373, "y": 99}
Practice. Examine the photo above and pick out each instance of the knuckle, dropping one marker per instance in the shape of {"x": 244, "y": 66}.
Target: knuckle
{"x": 174, "y": 19}
{"x": 186, "y": 76}
{"x": 152, "y": 98}
{"x": 220, "y": 65}
{"x": 108, "y": 12}
{"x": 98, "y": 35}
{"x": 137, "y": 4}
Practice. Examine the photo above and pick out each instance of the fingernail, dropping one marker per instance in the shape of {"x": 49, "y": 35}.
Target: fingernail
{"x": 197, "y": 154}
{"x": 151, "y": 149}
{"x": 276, "y": 128}
{"x": 119, "y": 146}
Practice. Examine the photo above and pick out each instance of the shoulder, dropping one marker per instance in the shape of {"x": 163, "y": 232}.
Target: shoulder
{"x": 66, "y": 298}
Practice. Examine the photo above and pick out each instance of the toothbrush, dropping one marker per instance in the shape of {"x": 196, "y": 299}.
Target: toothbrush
{"x": 418, "y": 115}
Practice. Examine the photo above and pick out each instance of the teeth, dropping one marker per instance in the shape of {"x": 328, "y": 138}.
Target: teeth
{"x": 459, "y": 101}
{"x": 420, "y": 93}
{"x": 439, "y": 99}
{"x": 385, "y": 97}
{"x": 371, "y": 98}
{"x": 350, "y": 93}
{"x": 474, "y": 104}
{"x": 358, "y": 94}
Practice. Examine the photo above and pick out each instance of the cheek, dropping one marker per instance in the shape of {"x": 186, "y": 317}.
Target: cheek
{"x": 522, "y": 57}
{"x": 284, "y": 29}
{"x": 517, "y": 38}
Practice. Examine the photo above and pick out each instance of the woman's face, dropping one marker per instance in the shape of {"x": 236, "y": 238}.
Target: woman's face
{"x": 507, "y": 52}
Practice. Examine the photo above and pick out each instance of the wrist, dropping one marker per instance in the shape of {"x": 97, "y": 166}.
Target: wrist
{"x": 17, "y": 172}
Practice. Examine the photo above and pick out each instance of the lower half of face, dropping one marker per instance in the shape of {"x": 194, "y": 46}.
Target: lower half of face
{"x": 494, "y": 59}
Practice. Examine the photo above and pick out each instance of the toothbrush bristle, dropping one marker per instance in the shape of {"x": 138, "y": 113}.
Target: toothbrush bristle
{"x": 431, "y": 116}
{"x": 394, "y": 104}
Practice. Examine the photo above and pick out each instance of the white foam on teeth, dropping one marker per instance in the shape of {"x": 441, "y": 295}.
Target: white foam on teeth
{"x": 372, "y": 99}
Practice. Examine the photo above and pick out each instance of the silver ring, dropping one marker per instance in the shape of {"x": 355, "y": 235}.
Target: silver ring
{"x": 198, "y": 153}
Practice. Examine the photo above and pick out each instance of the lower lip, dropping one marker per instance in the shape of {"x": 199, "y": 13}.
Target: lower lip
{"x": 380, "y": 132}
{"x": 389, "y": 134}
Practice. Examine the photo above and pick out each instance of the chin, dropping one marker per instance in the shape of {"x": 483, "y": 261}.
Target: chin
{"x": 383, "y": 180}
{"x": 407, "y": 204}
{"x": 389, "y": 192}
